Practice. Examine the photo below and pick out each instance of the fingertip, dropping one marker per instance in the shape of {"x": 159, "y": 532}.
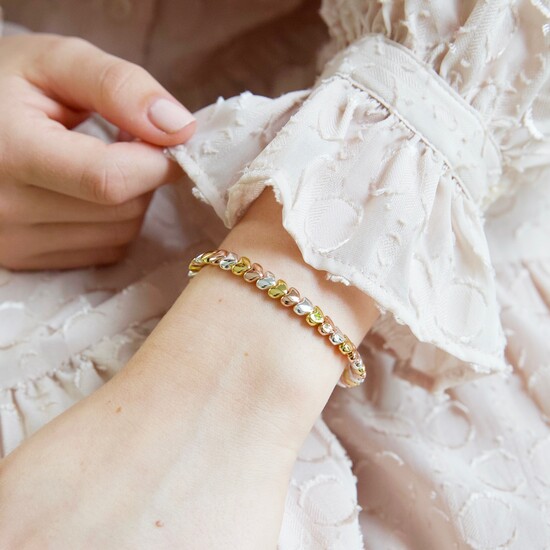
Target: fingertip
{"x": 175, "y": 122}
{"x": 185, "y": 133}
{"x": 170, "y": 140}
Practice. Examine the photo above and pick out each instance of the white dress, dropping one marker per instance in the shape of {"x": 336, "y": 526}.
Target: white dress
{"x": 416, "y": 167}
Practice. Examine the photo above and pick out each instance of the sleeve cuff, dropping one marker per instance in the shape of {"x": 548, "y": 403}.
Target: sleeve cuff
{"x": 371, "y": 203}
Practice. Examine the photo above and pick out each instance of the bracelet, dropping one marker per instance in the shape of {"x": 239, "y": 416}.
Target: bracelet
{"x": 354, "y": 373}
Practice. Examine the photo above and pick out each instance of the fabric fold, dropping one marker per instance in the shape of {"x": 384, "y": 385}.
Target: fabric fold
{"x": 370, "y": 201}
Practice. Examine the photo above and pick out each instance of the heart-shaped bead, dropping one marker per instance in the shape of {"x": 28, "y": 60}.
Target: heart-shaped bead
{"x": 358, "y": 367}
{"x": 241, "y": 266}
{"x": 291, "y": 298}
{"x": 279, "y": 290}
{"x": 346, "y": 346}
{"x": 303, "y": 307}
{"x": 229, "y": 261}
{"x": 217, "y": 256}
{"x": 336, "y": 337}
{"x": 348, "y": 380}
{"x": 254, "y": 273}
{"x": 194, "y": 266}
{"x": 267, "y": 281}
{"x": 326, "y": 327}
{"x": 315, "y": 317}
{"x": 203, "y": 258}
{"x": 196, "y": 260}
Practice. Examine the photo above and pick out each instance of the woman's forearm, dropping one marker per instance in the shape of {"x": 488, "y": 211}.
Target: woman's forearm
{"x": 223, "y": 336}
{"x": 193, "y": 442}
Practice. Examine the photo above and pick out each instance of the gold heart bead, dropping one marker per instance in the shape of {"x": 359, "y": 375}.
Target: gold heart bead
{"x": 346, "y": 346}
{"x": 241, "y": 266}
{"x": 348, "y": 380}
{"x": 279, "y": 290}
{"x": 315, "y": 317}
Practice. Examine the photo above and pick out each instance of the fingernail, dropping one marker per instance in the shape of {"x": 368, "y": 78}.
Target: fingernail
{"x": 169, "y": 116}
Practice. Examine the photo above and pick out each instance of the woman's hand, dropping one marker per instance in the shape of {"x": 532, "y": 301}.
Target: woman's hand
{"x": 191, "y": 445}
{"x": 68, "y": 199}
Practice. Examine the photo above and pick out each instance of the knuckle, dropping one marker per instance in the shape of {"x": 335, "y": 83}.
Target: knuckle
{"x": 114, "y": 77}
{"x": 59, "y": 41}
{"x": 51, "y": 45}
{"x": 134, "y": 208}
{"x": 106, "y": 184}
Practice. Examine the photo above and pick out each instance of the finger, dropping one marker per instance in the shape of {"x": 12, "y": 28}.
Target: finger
{"x": 57, "y": 237}
{"x": 31, "y": 96}
{"x": 82, "y": 166}
{"x": 71, "y": 259}
{"x": 123, "y": 135}
{"x": 33, "y": 205}
{"x": 85, "y": 77}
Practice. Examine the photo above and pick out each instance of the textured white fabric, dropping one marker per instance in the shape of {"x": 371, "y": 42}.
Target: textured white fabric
{"x": 418, "y": 211}
{"x": 386, "y": 169}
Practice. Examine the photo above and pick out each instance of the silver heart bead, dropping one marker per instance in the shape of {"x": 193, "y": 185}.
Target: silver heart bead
{"x": 325, "y": 328}
{"x": 303, "y": 307}
{"x": 336, "y": 337}
{"x": 358, "y": 367}
{"x": 198, "y": 259}
{"x": 267, "y": 281}
{"x": 228, "y": 261}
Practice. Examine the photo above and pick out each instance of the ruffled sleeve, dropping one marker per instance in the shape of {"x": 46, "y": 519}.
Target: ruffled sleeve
{"x": 384, "y": 170}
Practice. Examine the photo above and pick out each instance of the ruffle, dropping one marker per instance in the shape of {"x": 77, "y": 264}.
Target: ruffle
{"x": 494, "y": 55}
{"x": 371, "y": 203}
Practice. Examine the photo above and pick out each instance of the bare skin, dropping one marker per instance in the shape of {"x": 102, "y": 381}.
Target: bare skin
{"x": 192, "y": 443}
{"x": 67, "y": 199}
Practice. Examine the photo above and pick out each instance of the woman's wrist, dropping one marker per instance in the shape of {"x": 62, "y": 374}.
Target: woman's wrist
{"x": 224, "y": 342}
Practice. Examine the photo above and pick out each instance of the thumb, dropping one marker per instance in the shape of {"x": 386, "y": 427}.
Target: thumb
{"x": 85, "y": 77}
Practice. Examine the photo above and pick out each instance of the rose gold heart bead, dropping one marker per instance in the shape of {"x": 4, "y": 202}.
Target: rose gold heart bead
{"x": 291, "y": 298}
{"x": 217, "y": 256}
{"x": 255, "y": 272}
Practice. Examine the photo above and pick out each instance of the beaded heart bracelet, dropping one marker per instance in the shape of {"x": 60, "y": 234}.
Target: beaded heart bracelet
{"x": 354, "y": 373}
